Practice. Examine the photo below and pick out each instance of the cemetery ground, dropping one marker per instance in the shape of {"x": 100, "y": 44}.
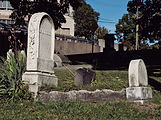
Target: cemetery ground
{"x": 97, "y": 110}
{"x": 39, "y": 71}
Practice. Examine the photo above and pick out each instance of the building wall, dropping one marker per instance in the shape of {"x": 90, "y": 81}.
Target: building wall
{"x": 66, "y": 28}
{"x": 67, "y": 47}
{"x": 5, "y": 11}
{"x": 4, "y": 14}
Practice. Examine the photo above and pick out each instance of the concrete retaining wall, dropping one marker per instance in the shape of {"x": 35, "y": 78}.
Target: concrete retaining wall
{"x": 66, "y": 47}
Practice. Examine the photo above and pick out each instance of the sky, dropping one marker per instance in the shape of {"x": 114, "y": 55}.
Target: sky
{"x": 110, "y": 11}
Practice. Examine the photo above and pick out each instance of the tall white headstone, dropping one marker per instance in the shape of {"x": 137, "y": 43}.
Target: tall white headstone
{"x": 138, "y": 90}
{"x": 40, "y": 52}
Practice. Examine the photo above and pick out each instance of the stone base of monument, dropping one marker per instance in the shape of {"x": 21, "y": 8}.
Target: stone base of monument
{"x": 37, "y": 79}
{"x": 139, "y": 94}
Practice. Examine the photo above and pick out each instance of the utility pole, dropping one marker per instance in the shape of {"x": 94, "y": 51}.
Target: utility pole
{"x": 137, "y": 30}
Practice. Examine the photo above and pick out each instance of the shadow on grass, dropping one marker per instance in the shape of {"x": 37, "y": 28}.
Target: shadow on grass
{"x": 154, "y": 73}
{"x": 154, "y": 70}
{"x": 155, "y": 84}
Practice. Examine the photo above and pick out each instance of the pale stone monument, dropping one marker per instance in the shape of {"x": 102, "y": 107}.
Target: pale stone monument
{"x": 57, "y": 61}
{"x": 40, "y": 53}
{"x": 9, "y": 53}
{"x": 138, "y": 90}
{"x": 101, "y": 43}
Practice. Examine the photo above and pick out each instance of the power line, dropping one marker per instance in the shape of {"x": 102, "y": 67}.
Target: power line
{"x": 100, "y": 21}
{"x": 106, "y": 19}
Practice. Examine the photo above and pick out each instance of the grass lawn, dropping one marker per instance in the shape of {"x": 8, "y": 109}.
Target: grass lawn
{"x": 114, "y": 80}
{"x": 67, "y": 110}
{"x": 79, "y": 111}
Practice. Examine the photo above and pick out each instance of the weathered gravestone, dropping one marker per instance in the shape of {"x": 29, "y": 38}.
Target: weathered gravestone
{"x": 11, "y": 53}
{"x": 57, "y": 61}
{"x": 40, "y": 52}
{"x": 138, "y": 90}
{"x": 84, "y": 76}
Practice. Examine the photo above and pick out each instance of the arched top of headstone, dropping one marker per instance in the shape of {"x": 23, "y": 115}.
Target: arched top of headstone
{"x": 36, "y": 20}
{"x": 41, "y": 39}
{"x": 137, "y": 73}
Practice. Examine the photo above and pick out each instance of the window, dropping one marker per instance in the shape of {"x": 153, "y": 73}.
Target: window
{"x": 65, "y": 31}
{"x": 7, "y": 21}
{"x": 5, "y": 5}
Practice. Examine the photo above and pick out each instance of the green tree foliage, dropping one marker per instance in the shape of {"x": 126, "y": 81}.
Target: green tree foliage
{"x": 84, "y": 16}
{"x": 150, "y": 17}
{"x": 24, "y": 8}
{"x": 126, "y": 29}
{"x": 101, "y": 32}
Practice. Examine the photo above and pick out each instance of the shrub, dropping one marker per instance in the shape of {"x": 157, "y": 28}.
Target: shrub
{"x": 11, "y": 85}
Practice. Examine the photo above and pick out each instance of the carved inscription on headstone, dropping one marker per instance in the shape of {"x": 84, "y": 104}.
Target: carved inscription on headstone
{"x": 45, "y": 39}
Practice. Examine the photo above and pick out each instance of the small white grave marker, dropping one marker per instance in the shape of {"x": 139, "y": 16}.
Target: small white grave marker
{"x": 138, "y": 90}
{"x": 137, "y": 73}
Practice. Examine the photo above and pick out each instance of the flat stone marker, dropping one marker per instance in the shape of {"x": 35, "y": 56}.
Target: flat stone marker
{"x": 40, "y": 52}
{"x": 138, "y": 90}
{"x": 84, "y": 76}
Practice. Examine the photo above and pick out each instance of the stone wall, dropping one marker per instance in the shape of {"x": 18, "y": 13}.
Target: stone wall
{"x": 82, "y": 95}
{"x": 67, "y": 47}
